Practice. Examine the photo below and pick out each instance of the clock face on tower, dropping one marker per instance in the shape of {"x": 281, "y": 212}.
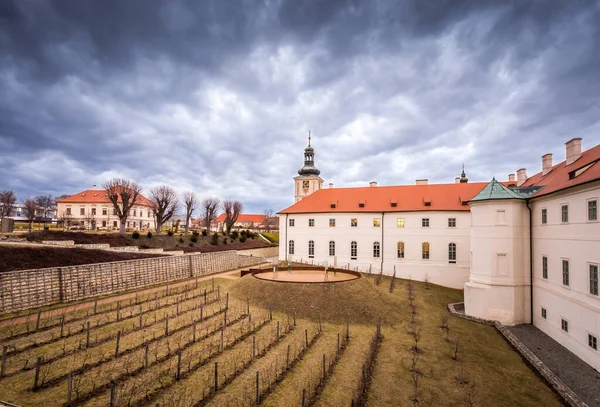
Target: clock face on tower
{"x": 305, "y": 184}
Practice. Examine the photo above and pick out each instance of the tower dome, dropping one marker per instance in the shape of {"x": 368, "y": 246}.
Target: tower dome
{"x": 309, "y": 161}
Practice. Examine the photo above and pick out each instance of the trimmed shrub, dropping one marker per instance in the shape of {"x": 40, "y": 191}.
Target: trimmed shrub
{"x": 195, "y": 233}
{"x": 205, "y": 232}
{"x": 242, "y": 239}
{"x": 234, "y": 235}
{"x": 214, "y": 240}
{"x": 194, "y": 238}
{"x": 149, "y": 235}
{"x": 170, "y": 233}
{"x": 191, "y": 245}
{"x": 181, "y": 240}
{"x": 135, "y": 235}
{"x": 225, "y": 240}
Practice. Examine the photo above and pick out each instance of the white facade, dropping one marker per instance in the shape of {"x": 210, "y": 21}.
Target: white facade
{"x": 577, "y": 242}
{"x": 306, "y": 185}
{"x": 438, "y": 267}
{"x": 102, "y": 216}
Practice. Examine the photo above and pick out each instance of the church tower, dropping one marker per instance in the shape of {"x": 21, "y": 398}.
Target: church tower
{"x": 308, "y": 180}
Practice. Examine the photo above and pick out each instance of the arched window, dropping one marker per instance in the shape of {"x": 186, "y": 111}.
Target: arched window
{"x": 452, "y": 252}
{"x": 291, "y": 247}
{"x": 425, "y": 251}
{"x": 400, "y": 250}
{"x": 353, "y": 250}
{"x": 331, "y": 248}
{"x": 311, "y": 248}
{"x": 376, "y": 249}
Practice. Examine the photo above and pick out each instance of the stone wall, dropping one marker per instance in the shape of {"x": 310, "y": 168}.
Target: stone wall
{"x": 26, "y": 289}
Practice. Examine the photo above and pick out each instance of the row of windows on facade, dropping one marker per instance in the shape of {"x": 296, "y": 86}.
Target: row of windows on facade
{"x": 564, "y": 325}
{"x": 425, "y": 250}
{"x": 566, "y": 269}
{"x": 115, "y": 224}
{"x": 400, "y": 222}
{"x": 105, "y": 212}
{"x": 592, "y": 212}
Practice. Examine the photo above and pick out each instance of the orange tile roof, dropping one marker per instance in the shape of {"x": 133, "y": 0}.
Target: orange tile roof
{"x": 99, "y": 196}
{"x": 442, "y": 197}
{"x": 244, "y": 218}
{"x": 558, "y": 178}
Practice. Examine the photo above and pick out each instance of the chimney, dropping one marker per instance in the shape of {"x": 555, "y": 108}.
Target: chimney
{"x": 330, "y": 185}
{"x": 521, "y": 177}
{"x": 422, "y": 181}
{"x": 373, "y": 183}
{"x": 546, "y": 163}
{"x": 457, "y": 180}
{"x": 573, "y": 150}
{"x": 511, "y": 177}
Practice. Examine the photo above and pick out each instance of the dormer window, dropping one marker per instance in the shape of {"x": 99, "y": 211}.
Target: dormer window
{"x": 332, "y": 205}
{"x": 82, "y": 194}
{"x": 394, "y": 204}
{"x": 427, "y": 203}
{"x": 361, "y": 204}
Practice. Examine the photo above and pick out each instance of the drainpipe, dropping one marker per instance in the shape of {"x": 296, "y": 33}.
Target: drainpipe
{"x": 530, "y": 263}
{"x": 382, "y": 241}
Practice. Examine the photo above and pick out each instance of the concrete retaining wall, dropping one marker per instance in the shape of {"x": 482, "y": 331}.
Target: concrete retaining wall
{"x": 26, "y": 289}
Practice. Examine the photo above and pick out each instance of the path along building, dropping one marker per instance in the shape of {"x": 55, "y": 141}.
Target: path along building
{"x": 526, "y": 250}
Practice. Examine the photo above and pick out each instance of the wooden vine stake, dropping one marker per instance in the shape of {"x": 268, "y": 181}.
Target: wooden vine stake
{"x": 257, "y": 388}
{"x": 3, "y": 366}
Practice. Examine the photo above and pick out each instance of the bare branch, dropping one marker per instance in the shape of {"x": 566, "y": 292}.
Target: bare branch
{"x": 29, "y": 208}
{"x": 233, "y": 209}
{"x": 123, "y": 194}
{"x": 7, "y": 200}
{"x": 210, "y": 206}
{"x": 166, "y": 202}
{"x": 190, "y": 200}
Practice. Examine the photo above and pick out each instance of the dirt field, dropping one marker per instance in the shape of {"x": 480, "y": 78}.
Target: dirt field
{"x": 25, "y": 258}
{"x": 227, "y": 342}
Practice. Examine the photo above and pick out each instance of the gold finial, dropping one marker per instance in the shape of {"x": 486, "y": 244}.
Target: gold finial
{"x": 309, "y": 138}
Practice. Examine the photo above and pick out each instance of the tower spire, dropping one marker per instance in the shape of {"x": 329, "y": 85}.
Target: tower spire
{"x": 463, "y": 176}
{"x": 309, "y": 138}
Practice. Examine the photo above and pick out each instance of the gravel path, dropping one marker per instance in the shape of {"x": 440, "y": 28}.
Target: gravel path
{"x": 575, "y": 373}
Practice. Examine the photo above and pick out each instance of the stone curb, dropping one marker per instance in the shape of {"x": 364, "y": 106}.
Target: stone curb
{"x": 568, "y": 396}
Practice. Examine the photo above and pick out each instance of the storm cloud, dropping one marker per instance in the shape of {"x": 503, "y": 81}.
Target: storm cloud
{"x": 218, "y": 96}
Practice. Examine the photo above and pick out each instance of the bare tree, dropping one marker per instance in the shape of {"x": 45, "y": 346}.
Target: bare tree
{"x": 166, "y": 203}
{"x": 210, "y": 206}
{"x": 268, "y": 212}
{"x": 64, "y": 218}
{"x": 123, "y": 194}
{"x": 233, "y": 209}
{"x": 7, "y": 200}
{"x": 45, "y": 204}
{"x": 190, "y": 200}
{"x": 29, "y": 208}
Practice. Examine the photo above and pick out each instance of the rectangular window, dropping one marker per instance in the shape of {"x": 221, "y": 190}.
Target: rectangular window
{"x": 104, "y": 211}
{"x": 564, "y": 210}
{"x": 114, "y": 212}
{"x": 452, "y": 252}
{"x": 592, "y": 342}
{"x": 93, "y": 211}
{"x": 135, "y": 212}
{"x": 544, "y": 313}
{"x": 292, "y": 222}
{"x": 594, "y": 279}
{"x": 593, "y": 210}
{"x": 400, "y": 222}
{"x": 331, "y": 223}
{"x": 134, "y": 224}
{"x": 564, "y": 325}
{"x": 114, "y": 224}
{"x": 451, "y": 222}
{"x": 565, "y": 271}
{"x": 311, "y": 248}
{"x": 128, "y": 223}
{"x": 425, "y": 251}
{"x": 501, "y": 217}
{"x": 82, "y": 211}
{"x": 376, "y": 249}
{"x": 353, "y": 250}
{"x": 400, "y": 250}
{"x": 68, "y": 212}
{"x": 544, "y": 216}
{"x": 291, "y": 247}
{"x": 353, "y": 222}
{"x": 311, "y": 222}
{"x": 545, "y": 267}
{"x": 376, "y": 222}
{"x": 103, "y": 223}
{"x": 332, "y": 248}
{"x": 148, "y": 213}
{"x": 425, "y": 222}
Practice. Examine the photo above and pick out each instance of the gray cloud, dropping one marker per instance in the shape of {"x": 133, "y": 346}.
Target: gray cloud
{"x": 218, "y": 96}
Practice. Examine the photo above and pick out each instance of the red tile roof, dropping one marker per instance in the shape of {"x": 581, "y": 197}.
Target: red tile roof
{"x": 442, "y": 197}
{"x": 558, "y": 178}
{"x": 99, "y": 196}
{"x": 244, "y": 218}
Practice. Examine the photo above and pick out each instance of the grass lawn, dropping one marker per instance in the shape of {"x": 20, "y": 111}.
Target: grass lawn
{"x": 487, "y": 371}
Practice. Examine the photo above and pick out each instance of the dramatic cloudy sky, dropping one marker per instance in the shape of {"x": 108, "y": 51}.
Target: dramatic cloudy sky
{"x": 218, "y": 96}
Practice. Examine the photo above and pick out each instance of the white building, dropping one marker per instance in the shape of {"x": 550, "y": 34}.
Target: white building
{"x": 484, "y": 237}
{"x": 91, "y": 209}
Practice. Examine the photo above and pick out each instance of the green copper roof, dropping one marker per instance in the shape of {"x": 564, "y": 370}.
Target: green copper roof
{"x": 495, "y": 190}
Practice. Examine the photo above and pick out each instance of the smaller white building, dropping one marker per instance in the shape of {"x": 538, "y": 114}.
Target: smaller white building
{"x": 92, "y": 210}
